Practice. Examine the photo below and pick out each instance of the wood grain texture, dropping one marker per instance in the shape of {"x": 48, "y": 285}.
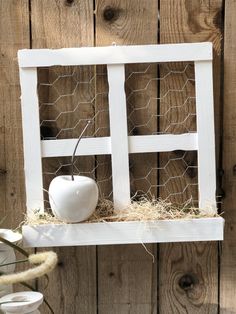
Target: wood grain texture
{"x": 72, "y": 285}
{"x": 127, "y": 278}
{"x": 67, "y": 24}
{"x": 189, "y": 272}
{"x": 14, "y": 35}
{"x": 228, "y": 257}
{"x": 188, "y": 278}
{"x": 125, "y": 22}
{"x": 62, "y": 23}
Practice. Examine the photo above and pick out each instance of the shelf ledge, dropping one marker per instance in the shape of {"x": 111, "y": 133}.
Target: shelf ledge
{"x": 181, "y": 230}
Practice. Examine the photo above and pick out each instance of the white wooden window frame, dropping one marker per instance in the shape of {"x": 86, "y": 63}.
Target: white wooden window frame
{"x": 119, "y": 145}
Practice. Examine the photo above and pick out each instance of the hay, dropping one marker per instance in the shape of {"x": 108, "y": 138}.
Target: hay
{"x": 142, "y": 210}
{"x": 148, "y": 210}
{"x": 36, "y": 218}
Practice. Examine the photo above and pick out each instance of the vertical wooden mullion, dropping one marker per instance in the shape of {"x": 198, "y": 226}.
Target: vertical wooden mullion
{"x": 206, "y": 140}
{"x": 119, "y": 136}
{"x": 31, "y": 134}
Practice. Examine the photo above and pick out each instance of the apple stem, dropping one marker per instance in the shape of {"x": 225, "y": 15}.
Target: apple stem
{"x": 76, "y": 146}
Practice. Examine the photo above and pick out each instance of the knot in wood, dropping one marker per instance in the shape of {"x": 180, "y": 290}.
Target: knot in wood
{"x": 69, "y": 2}
{"x": 110, "y": 14}
{"x": 60, "y": 264}
{"x": 187, "y": 282}
{"x": 2, "y": 172}
{"x": 234, "y": 170}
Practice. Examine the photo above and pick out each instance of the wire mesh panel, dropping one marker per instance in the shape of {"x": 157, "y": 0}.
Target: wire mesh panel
{"x": 68, "y": 98}
{"x": 170, "y": 176}
{"x": 160, "y": 100}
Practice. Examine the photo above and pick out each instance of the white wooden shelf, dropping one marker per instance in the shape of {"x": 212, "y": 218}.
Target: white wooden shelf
{"x": 119, "y": 145}
{"x": 182, "y": 230}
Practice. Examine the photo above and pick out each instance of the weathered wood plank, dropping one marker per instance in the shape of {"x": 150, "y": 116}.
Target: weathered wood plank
{"x": 189, "y": 272}
{"x": 189, "y": 284}
{"x": 228, "y": 256}
{"x": 72, "y": 285}
{"x": 57, "y": 24}
{"x": 14, "y": 35}
{"x": 127, "y": 278}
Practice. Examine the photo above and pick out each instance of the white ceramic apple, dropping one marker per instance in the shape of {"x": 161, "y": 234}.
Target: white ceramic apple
{"x": 73, "y": 200}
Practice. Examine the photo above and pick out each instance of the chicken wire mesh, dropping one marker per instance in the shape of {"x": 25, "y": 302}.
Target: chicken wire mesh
{"x": 160, "y": 100}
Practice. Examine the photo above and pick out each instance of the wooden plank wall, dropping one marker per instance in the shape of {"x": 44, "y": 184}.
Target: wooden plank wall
{"x": 189, "y": 278}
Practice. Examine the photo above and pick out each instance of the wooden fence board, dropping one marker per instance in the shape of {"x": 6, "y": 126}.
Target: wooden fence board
{"x": 127, "y": 281}
{"x": 228, "y": 257}
{"x": 189, "y": 272}
{"x": 57, "y": 24}
{"x": 14, "y": 35}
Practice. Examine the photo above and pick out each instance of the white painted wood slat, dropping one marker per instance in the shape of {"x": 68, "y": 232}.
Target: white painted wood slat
{"x": 65, "y": 147}
{"x": 119, "y": 136}
{"x": 206, "y": 134}
{"x": 176, "y": 230}
{"x": 136, "y": 144}
{"x": 115, "y": 54}
{"x": 31, "y": 140}
{"x": 162, "y": 143}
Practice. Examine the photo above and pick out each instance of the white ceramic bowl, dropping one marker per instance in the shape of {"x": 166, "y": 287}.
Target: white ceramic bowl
{"x": 30, "y": 302}
{"x": 7, "y": 253}
{"x": 10, "y": 235}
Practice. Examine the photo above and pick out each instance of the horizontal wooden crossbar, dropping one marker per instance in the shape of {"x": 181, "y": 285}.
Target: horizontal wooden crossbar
{"x": 137, "y": 144}
{"x": 115, "y": 55}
